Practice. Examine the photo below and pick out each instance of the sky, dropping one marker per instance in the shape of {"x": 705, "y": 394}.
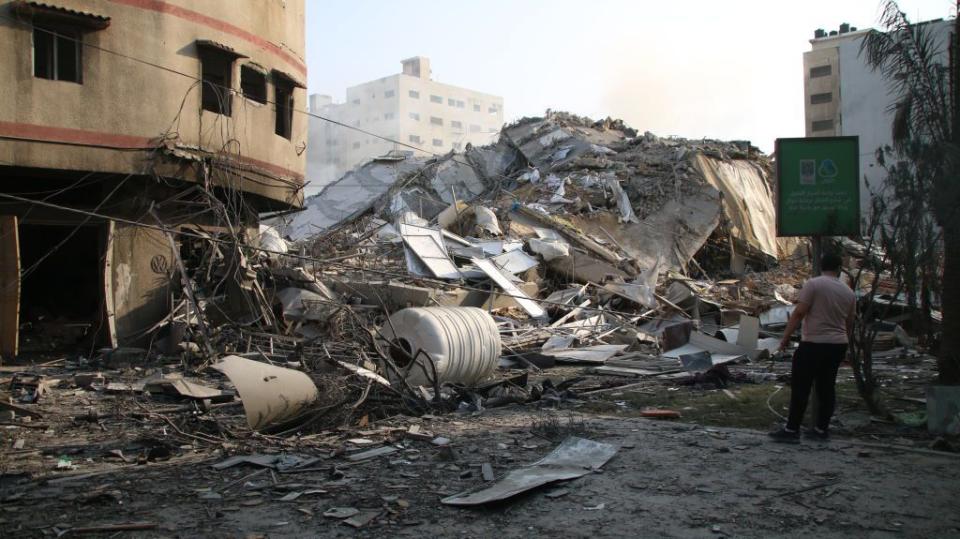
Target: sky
{"x": 730, "y": 70}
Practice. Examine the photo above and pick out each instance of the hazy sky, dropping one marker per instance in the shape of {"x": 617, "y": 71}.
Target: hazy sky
{"x": 693, "y": 68}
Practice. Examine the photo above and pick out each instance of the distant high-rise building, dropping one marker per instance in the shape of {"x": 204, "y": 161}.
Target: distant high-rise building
{"x": 407, "y": 107}
{"x": 844, "y": 96}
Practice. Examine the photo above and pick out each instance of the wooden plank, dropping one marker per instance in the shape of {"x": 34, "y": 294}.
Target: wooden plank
{"x": 9, "y": 286}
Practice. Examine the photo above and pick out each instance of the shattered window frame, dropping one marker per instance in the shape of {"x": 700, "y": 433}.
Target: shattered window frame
{"x": 284, "y": 106}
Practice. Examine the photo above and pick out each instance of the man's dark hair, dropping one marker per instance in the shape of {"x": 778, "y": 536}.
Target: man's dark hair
{"x": 830, "y": 262}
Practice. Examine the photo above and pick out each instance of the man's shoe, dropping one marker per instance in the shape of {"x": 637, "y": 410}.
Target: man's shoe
{"x": 786, "y": 436}
{"x": 819, "y": 434}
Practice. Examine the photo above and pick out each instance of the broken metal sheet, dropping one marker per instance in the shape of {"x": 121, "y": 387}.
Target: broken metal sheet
{"x": 623, "y": 201}
{"x": 487, "y": 220}
{"x": 697, "y": 362}
{"x": 452, "y": 177}
{"x": 748, "y": 332}
{"x": 366, "y": 373}
{"x": 181, "y": 388}
{"x": 281, "y": 462}
{"x": 426, "y": 244}
{"x": 747, "y": 201}
{"x": 549, "y": 249}
{"x": 270, "y": 394}
{"x": 574, "y": 458}
{"x": 515, "y": 261}
{"x": 558, "y": 342}
{"x": 347, "y": 197}
{"x": 589, "y": 354}
{"x": 451, "y": 214}
{"x": 503, "y": 281}
{"x": 693, "y": 352}
{"x": 638, "y": 293}
{"x": 776, "y": 316}
{"x": 565, "y": 296}
{"x": 303, "y": 304}
{"x": 371, "y": 453}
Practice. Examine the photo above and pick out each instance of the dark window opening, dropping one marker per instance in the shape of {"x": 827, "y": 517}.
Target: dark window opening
{"x": 817, "y": 99}
{"x": 284, "y": 99}
{"x": 56, "y": 54}
{"x": 821, "y": 71}
{"x": 822, "y": 125}
{"x": 253, "y": 84}
{"x": 217, "y": 68}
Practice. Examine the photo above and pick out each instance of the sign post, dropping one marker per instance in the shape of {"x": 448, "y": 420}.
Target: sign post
{"x": 818, "y": 192}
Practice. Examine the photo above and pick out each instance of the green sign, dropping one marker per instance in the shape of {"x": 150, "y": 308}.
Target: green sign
{"x": 818, "y": 186}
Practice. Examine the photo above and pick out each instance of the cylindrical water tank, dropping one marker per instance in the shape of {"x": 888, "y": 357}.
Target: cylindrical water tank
{"x": 463, "y": 342}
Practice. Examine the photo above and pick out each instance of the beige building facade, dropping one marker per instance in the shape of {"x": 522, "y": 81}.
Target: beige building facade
{"x": 424, "y": 116}
{"x": 115, "y": 114}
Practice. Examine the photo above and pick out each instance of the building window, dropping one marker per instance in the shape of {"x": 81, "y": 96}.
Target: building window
{"x": 474, "y": 128}
{"x": 461, "y": 104}
{"x": 356, "y": 101}
{"x": 217, "y": 74}
{"x": 56, "y": 54}
{"x": 822, "y": 125}
{"x": 456, "y": 125}
{"x": 388, "y": 116}
{"x": 451, "y": 102}
{"x": 456, "y": 145}
{"x": 253, "y": 84}
{"x": 415, "y": 116}
{"x": 436, "y": 99}
{"x": 476, "y": 107}
{"x": 492, "y": 130}
{"x": 437, "y": 142}
{"x": 284, "y": 106}
{"x": 436, "y": 121}
{"x": 356, "y": 145}
{"x": 414, "y": 94}
{"x": 821, "y": 71}
{"x": 414, "y": 139}
{"x": 388, "y": 94}
{"x": 817, "y": 99}
{"x": 493, "y": 109}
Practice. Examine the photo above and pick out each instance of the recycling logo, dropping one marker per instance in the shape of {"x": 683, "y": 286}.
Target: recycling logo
{"x": 828, "y": 169}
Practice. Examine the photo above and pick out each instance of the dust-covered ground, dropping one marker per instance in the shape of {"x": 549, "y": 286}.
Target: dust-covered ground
{"x": 666, "y": 480}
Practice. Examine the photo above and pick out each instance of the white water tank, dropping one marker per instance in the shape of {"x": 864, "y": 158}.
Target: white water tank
{"x": 463, "y": 342}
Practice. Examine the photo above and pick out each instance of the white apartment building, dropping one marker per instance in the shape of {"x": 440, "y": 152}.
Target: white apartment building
{"x": 408, "y": 107}
{"x": 843, "y": 96}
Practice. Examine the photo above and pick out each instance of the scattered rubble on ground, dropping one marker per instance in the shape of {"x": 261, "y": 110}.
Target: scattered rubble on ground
{"x": 567, "y": 261}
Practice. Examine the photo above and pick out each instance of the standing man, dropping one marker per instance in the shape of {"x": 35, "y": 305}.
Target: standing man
{"x": 826, "y": 307}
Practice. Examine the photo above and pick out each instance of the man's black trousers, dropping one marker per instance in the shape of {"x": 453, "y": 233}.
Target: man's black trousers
{"x": 814, "y": 364}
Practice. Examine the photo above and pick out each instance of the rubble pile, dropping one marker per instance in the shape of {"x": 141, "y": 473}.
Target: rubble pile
{"x": 569, "y": 259}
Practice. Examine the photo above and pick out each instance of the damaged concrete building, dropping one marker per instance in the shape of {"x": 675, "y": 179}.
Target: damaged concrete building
{"x": 125, "y": 127}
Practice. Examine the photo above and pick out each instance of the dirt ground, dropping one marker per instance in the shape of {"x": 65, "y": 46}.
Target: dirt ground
{"x": 668, "y": 479}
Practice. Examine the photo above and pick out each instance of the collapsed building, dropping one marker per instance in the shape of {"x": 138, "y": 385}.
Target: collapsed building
{"x": 118, "y": 142}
